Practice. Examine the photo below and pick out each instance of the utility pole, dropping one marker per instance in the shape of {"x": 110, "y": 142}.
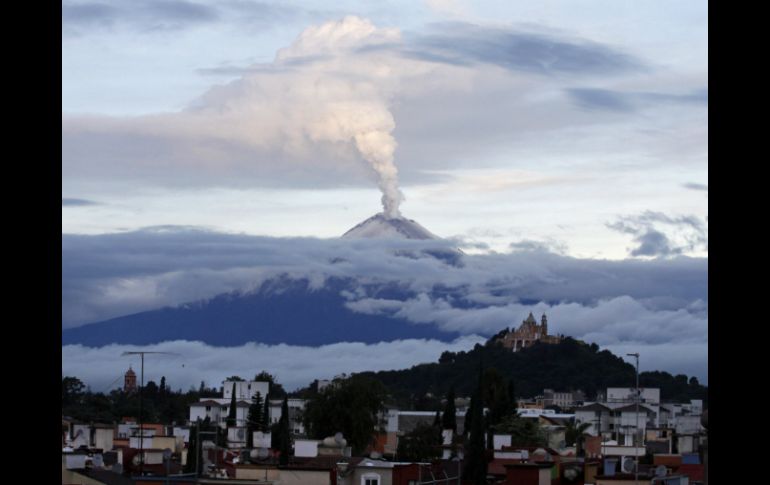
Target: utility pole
{"x": 636, "y": 430}
{"x": 141, "y": 419}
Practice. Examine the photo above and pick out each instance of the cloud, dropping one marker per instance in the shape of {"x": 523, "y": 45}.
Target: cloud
{"x": 623, "y": 101}
{"x": 644, "y": 302}
{"x": 293, "y": 366}
{"x": 461, "y": 43}
{"x": 77, "y": 202}
{"x": 143, "y": 15}
{"x": 291, "y": 122}
{"x": 691, "y": 233}
{"x": 694, "y": 186}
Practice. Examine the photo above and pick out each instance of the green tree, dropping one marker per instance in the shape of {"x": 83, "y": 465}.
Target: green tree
{"x": 475, "y": 456}
{"x": 524, "y": 432}
{"x": 254, "y": 420}
{"x": 350, "y": 406}
{"x": 285, "y": 433}
{"x": 423, "y": 443}
{"x": 231, "y": 416}
{"x": 449, "y": 418}
{"x": 72, "y": 390}
{"x": 574, "y": 434}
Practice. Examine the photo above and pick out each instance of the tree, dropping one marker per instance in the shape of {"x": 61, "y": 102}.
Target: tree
{"x": 254, "y": 420}
{"x": 231, "y": 416}
{"x": 449, "y": 419}
{"x": 284, "y": 444}
{"x": 423, "y": 443}
{"x": 524, "y": 432}
{"x": 476, "y": 467}
{"x": 350, "y": 406}
{"x": 275, "y": 389}
{"x": 235, "y": 379}
{"x": 574, "y": 434}
{"x": 72, "y": 390}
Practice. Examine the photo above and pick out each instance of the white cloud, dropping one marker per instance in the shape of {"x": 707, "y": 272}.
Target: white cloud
{"x": 293, "y": 366}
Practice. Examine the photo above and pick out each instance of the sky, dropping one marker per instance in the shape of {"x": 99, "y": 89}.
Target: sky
{"x": 573, "y": 129}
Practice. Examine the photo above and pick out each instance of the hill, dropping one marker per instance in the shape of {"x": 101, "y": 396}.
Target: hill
{"x": 568, "y": 365}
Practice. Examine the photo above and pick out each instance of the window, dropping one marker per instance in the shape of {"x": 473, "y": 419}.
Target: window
{"x": 370, "y": 479}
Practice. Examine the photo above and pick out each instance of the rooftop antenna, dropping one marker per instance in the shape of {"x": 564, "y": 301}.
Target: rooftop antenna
{"x": 141, "y": 391}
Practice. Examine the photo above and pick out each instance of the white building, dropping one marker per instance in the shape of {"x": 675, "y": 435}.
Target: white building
{"x": 296, "y": 408}
{"x": 245, "y": 390}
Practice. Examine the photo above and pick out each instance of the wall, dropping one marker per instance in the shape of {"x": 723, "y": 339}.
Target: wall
{"x": 245, "y": 389}
{"x": 305, "y": 477}
{"x": 385, "y": 475}
{"x": 251, "y": 472}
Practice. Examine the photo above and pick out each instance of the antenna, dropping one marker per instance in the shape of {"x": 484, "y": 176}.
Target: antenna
{"x": 141, "y": 391}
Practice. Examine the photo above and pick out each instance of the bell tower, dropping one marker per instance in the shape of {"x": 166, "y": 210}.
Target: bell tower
{"x": 129, "y": 380}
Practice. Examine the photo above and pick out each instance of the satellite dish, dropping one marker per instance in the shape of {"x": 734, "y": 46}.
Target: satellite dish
{"x": 661, "y": 471}
{"x": 338, "y": 438}
{"x": 628, "y": 465}
{"x": 241, "y": 433}
{"x": 262, "y": 452}
{"x": 571, "y": 474}
{"x": 167, "y": 454}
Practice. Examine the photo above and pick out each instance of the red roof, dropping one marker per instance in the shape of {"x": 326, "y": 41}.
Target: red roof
{"x": 695, "y": 472}
{"x": 497, "y": 466}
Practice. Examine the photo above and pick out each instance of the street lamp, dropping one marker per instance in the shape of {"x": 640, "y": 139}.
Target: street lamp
{"x": 636, "y": 430}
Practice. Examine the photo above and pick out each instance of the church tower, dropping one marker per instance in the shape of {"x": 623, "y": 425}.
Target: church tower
{"x": 544, "y": 325}
{"x": 129, "y": 380}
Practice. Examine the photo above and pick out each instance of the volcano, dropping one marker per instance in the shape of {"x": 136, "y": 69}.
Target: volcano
{"x": 380, "y": 226}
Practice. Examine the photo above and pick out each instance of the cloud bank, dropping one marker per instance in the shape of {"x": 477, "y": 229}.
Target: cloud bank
{"x": 293, "y": 366}
{"x": 644, "y": 303}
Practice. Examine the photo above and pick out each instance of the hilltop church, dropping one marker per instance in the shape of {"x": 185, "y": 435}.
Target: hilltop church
{"x": 527, "y": 334}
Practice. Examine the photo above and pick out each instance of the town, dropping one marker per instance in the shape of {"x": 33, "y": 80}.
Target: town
{"x": 350, "y": 430}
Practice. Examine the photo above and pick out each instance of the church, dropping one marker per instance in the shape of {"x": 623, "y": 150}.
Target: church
{"x": 527, "y": 334}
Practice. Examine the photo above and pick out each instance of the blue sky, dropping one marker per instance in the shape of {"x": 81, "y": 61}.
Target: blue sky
{"x": 576, "y": 127}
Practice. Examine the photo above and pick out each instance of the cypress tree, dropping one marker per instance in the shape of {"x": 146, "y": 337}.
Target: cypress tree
{"x": 476, "y": 468}
{"x": 285, "y": 436}
{"x": 231, "y": 416}
{"x": 254, "y": 420}
{"x": 449, "y": 419}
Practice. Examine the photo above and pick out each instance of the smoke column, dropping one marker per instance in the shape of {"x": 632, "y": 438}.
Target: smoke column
{"x": 377, "y": 148}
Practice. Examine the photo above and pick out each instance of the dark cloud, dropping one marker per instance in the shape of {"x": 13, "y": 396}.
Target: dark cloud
{"x": 600, "y": 98}
{"x": 460, "y": 43}
{"x": 694, "y": 186}
{"x": 653, "y": 241}
{"x": 530, "y": 245}
{"x": 77, "y": 202}
{"x": 143, "y": 15}
{"x": 607, "y": 99}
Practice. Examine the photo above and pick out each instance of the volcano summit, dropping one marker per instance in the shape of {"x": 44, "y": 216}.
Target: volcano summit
{"x": 381, "y": 226}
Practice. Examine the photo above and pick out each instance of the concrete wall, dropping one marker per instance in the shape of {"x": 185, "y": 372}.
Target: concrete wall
{"x": 306, "y": 477}
{"x": 251, "y": 472}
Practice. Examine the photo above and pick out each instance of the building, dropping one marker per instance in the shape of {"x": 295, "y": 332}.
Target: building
{"x": 561, "y": 399}
{"x": 129, "y": 380}
{"x": 527, "y": 334}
